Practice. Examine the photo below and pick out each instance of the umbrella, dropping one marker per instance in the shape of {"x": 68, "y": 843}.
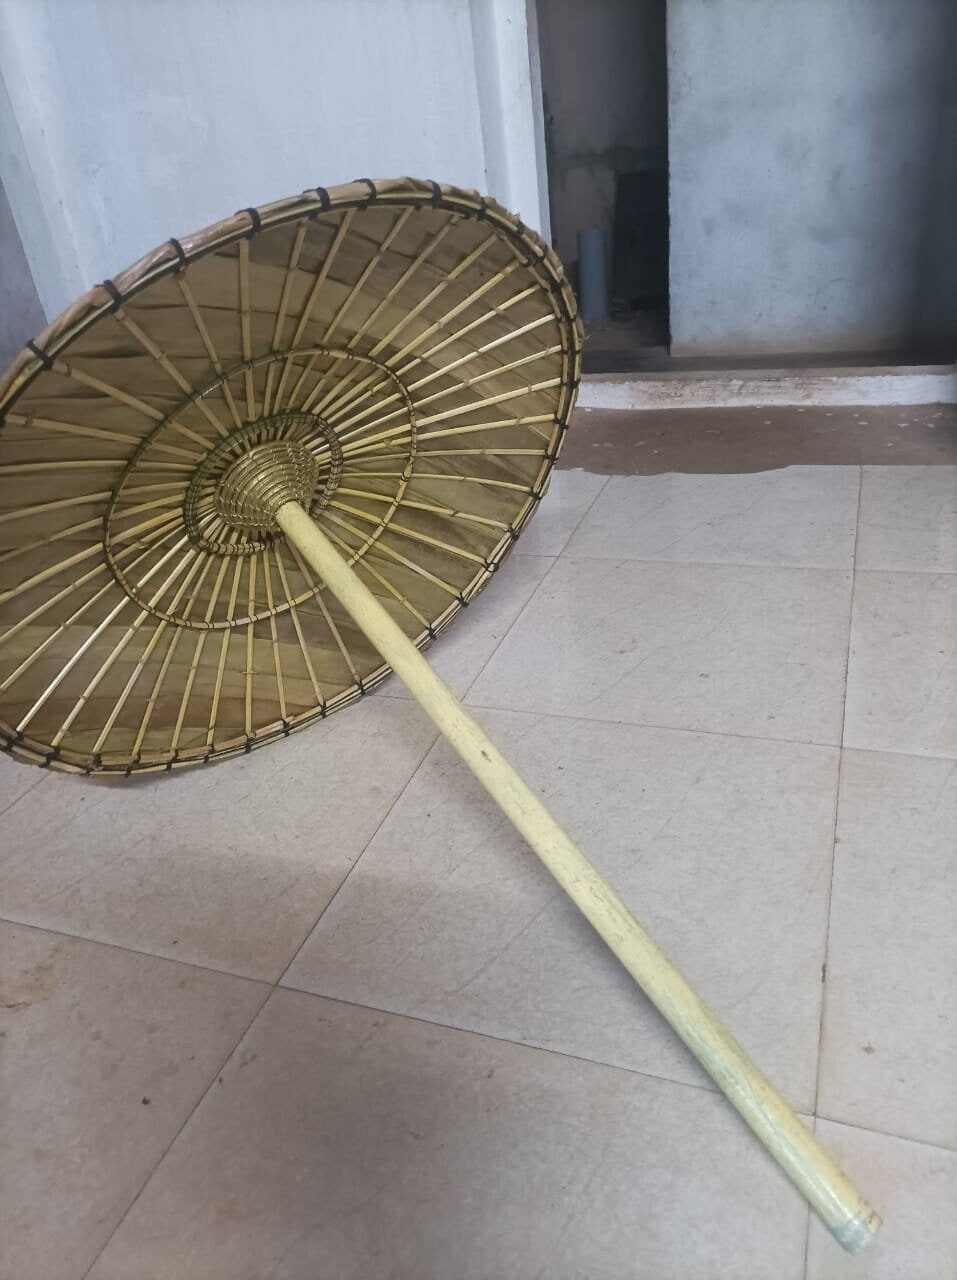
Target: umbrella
{"x": 265, "y": 466}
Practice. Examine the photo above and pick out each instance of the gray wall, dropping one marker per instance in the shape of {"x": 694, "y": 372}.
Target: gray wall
{"x": 812, "y": 157}
{"x": 21, "y": 317}
{"x": 603, "y": 88}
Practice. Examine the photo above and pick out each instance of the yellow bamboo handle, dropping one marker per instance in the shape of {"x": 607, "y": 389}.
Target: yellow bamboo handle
{"x": 832, "y": 1195}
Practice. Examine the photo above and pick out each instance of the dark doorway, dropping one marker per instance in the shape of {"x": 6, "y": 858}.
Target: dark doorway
{"x": 605, "y": 91}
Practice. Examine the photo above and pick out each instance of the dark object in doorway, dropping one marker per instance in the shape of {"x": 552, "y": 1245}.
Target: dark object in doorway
{"x": 640, "y": 245}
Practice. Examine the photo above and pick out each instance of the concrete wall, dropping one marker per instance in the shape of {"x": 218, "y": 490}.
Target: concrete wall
{"x": 126, "y": 121}
{"x": 603, "y": 77}
{"x": 812, "y": 175}
{"x": 21, "y": 315}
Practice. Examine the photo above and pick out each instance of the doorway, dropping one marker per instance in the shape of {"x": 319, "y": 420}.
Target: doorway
{"x": 605, "y": 102}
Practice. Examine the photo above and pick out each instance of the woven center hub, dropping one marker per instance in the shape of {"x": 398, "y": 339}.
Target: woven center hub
{"x": 258, "y": 483}
{"x": 242, "y": 482}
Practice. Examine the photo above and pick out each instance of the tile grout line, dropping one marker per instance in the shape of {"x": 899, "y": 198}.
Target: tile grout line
{"x": 166, "y": 1150}
{"x": 885, "y": 1133}
{"x": 23, "y": 794}
{"x": 669, "y": 728}
{"x": 554, "y": 561}
{"x": 271, "y": 988}
{"x": 134, "y": 951}
{"x": 837, "y": 806}
{"x": 408, "y": 782}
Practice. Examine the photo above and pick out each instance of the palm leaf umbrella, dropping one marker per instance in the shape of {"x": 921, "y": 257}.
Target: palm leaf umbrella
{"x": 249, "y": 476}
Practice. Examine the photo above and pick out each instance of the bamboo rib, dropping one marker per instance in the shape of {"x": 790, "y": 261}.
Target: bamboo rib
{"x": 297, "y": 625}
{"x": 91, "y": 433}
{"x": 314, "y": 293}
{"x": 457, "y": 364}
{"x": 282, "y": 308}
{"x": 164, "y": 362}
{"x": 343, "y": 309}
{"x": 207, "y": 342}
{"x": 244, "y": 329}
{"x": 842, "y": 1208}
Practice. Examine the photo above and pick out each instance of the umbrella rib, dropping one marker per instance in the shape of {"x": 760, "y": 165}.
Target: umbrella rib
{"x": 422, "y": 506}
{"x": 361, "y": 445}
{"x": 344, "y": 307}
{"x": 389, "y": 296}
{"x": 455, "y": 364}
{"x": 297, "y": 624}
{"x": 119, "y": 647}
{"x": 107, "y": 388}
{"x": 438, "y": 475}
{"x": 244, "y": 330}
{"x": 207, "y": 342}
{"x": 250, "y": 642}
{"x": 492, "y": 314}
{"x": 440, "y": 395}
{"x": 95, "y": 523}
{"x": 320, "y": 280}
{"x": 194, "y": 662}
{"x": 409, "y": 533}
{"x": 370, "y": 569}
{"x": 57, "y": 504}
{"x": 164, "y": 362}
{"x": 416, "y": 342}
{"x": 94, "y": 635}
{"x": 141, "y": 663}
{"x": 317, "y": 592}
{"x": 72, "y": 586}
{"x": 282, "y": 307}
{"x": 274, "y": 635}
{"x": 223, "y": 651}
{"x": 94, "y": 433}
{"x": 393, "y": 555}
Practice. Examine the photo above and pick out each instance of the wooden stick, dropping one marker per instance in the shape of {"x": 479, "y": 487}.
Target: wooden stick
{"x": 841, "y": 1207}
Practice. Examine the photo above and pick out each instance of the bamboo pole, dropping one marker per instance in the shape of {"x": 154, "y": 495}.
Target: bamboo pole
{"x": 840, "y": 1206}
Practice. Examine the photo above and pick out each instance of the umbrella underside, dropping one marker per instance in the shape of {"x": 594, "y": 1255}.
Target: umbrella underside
{"x": 408, "y": 353}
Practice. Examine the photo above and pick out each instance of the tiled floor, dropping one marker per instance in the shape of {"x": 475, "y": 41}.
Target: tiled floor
{"x": 318, "y": 1014}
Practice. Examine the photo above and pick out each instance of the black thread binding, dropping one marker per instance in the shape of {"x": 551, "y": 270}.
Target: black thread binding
{"x": 42, "y": 356}
{"x": 255, "y": 219}
{"x": 114, "y": 293}
{"x": 373, "y": 194}
{"x": 436, "y": 194}
{"x": 324, "y": 201}
{"x": 180, "y": 251}
{"x": 482, "y": 210}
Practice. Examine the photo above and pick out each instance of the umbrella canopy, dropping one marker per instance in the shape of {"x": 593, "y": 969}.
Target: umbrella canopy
{"x": 408, "y": 351}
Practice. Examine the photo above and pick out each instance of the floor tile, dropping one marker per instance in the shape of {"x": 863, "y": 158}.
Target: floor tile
{"x": 721, "y": 846}
{"x": 227, "y": 866}
{"x": 570, "y": 494}
{"x": 16, "y": 779}
{"x": 105, "y": 1055}
{"x": 802, "y": 516}
{"x": 890, "y": 1024}
{"x": 914, "y": 1188}
{"x": 730, "y": 649}
{"x": 908, "y": 519}
{"x": 344, "y": 1144}
{"x": 902, "y": 672}
{"x": 460, "y": 653}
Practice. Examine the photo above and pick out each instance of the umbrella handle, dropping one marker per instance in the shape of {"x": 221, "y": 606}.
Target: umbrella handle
{"x": 839, "y": 1204}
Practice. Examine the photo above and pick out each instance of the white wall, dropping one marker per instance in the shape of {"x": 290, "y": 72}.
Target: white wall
{"x": 126, "y": 121}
